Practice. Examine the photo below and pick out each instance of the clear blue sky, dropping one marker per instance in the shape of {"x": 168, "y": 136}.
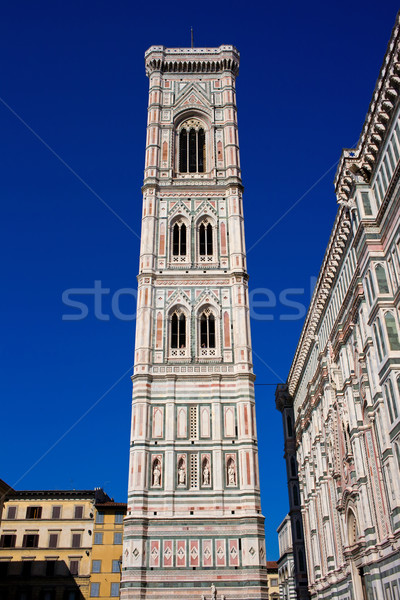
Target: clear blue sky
{"x": 74, "y": 72}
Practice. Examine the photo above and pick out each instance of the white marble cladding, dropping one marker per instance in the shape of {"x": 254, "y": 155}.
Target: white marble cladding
{"x": 344, "y": 382}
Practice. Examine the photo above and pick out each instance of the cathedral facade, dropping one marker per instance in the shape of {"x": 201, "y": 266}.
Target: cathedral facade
{"x": 343, "y": 389}
{"x": 194, "y": 527}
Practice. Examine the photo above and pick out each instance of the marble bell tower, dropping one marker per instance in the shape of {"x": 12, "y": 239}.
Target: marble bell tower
{"x": 194, "y": 528}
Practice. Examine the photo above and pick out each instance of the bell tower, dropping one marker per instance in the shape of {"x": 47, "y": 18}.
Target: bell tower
{"x": 194, "y": 528}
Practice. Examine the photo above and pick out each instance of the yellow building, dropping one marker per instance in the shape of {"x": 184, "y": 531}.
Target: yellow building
{"x": 273, "y": 581}
{"x": 107, "y": 550}
{"x": 46, "y": 540}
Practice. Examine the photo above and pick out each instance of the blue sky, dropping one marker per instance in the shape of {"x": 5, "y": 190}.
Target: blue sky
{"x": 74, "y": 73}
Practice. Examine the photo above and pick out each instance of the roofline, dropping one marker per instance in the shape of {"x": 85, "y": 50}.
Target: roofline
{"x": 362, "y": 160}
{"x": 50, "y": 494}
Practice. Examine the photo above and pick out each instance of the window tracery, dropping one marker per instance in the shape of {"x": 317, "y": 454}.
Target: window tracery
{"x": 192, "y": 147}
{"x": 205, "y": 241}
{"x": 208, "y": 338}
{"x": 179, "y": 241}
{"x": 178, "y": 334}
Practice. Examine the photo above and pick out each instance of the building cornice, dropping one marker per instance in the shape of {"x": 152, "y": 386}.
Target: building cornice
{"x": 332, "y": 262}
{"x": 51, "y": 494}
{"x": 362, "y": 159}
{"x": 361, "y": 162}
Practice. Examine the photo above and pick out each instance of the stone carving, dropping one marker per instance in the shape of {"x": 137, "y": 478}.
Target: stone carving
{"x": 181, "y": 472}
{"x": 156, "y": 473}
{"x": 206, "y": 474}
{"x": 231, "y": 473}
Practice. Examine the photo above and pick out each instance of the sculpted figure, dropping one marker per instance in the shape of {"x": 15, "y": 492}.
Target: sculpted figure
{"x": 181, "y": 475}
{"x": 206, "y": 475}
{"x": 156, "y": 474}
{"x": 231, "y": 474}
{"x": 213, "y": 592}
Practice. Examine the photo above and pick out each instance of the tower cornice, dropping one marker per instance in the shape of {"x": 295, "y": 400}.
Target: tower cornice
{"x": 192, "y": 60}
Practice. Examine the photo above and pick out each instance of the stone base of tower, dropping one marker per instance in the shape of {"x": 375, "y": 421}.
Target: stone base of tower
{"x": 174, "y": 585}
{"x": 170, "y": 587}
{"x": 170, "y": 559}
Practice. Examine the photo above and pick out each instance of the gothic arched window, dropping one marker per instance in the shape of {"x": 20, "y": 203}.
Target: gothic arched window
{"x": 352, "y": 528}
{"x": 381, "y": 279}
{"x": 207, "y": 329}
{"x": 205, "y": 239}
{"x": 391, "y": 329}
{"x": 192, "y": 148}
{"x": 178, "y": 330}
{"x": 179, "y": 239}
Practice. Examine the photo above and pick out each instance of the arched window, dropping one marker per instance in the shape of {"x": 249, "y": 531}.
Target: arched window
{"x": 207, "y": 329}
{"x": 352, "y": 528}
{"x": 192, "y": 147}
{"x": 292, "y": 466}
{"x": 391, "y": 329}
{"x": 205, "y": 239}
{"x": 179, "y": 239}
{"x": 178, "y": 330}
{"x": 381, "y": 279}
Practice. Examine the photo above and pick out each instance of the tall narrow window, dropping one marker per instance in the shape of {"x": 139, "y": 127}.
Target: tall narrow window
{"x": 178, "y": 330}
{"x": 391, "y": 329}
{"x": 179, "y": 239}
{"x": 366, "y": 203}
{"x": 205, "y": 239}
{"x": 298, "y": 530}
{"x": 382, "y": 339}
{"x": 296, "y": 501}
{"x": 378, "y": 343}
{"x": 192, "y": 151}
{"x": 207, "y": 329}
{"x": 201, "y": 150}
{"x": 392, "y": 400}
{"x": 381, "y": 278}
{"x": 192, "y": 148}
{"x": 289, "y": 426}
{"x": 183, "y": 153}
{"x": 371, "y": 283}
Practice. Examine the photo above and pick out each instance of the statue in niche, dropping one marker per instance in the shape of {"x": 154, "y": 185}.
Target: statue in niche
{"x": 213, "y": 592}
{"x": 181, "y": 473}
{"x": 206, "y": 474}
{"x": 231, "y": 473}
{"x": 156, "y": 474}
